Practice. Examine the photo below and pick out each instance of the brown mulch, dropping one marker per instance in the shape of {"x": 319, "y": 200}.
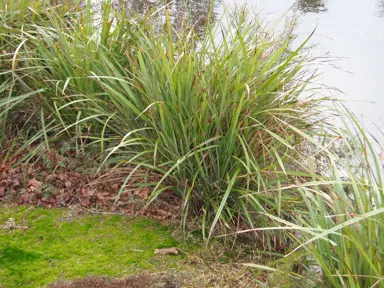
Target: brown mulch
{"x": 58, "y": 181}
{"x": 195, "y": 276}
{"x": 156, "y": 280}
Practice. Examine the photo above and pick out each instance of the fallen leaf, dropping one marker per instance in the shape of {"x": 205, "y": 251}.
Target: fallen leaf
{"x": 60, "y": 177}
{"x": 102, "y": 196}
{"x": 15, "y": 183}
{"x": 167, "y": 251}
{"x": 84, "y": 202}
{"x": 68, "y": 184}
{"x": 33, "y": 184}
{"x": 49, "y": 177}
{"x": 91, "y": 192}
{"x": 143, "y": 193}
{"x": 51, "y": 200}
{"x": 84, "y": 191}
{"x": 76, "y": 175}
{"x": 158, "y": 214}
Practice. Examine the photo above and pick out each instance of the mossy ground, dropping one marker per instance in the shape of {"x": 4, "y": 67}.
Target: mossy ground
{"x": 60, "y": 246}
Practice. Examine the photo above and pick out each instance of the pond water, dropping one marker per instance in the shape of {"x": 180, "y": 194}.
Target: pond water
{"x": 350, "y": 30}
{"x": 354, "y": 31}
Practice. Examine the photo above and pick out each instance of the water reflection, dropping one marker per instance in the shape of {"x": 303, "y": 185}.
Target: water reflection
{"x": 194, "y": 12}
{"x": 314, "y": 6}
{"x": 379, "y": 11}
{"x": 138, "y": 6}
{"x": 317, "y": 6}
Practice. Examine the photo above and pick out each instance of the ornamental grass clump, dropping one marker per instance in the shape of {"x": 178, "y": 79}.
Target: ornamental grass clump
{"x": 338, "y": 240}
{"x": 349, "y": 248}
{"x": 221, "y": 118}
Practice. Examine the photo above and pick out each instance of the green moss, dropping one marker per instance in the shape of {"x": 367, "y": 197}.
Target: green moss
{"x": 57, "y": 246}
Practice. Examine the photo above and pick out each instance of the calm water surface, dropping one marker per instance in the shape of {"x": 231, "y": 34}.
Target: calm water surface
{"x": 352, "y": 30}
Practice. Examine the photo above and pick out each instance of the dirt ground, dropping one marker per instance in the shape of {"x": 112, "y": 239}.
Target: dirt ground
{"x": 136, "y": 281}
{"x": 165, "y": 280}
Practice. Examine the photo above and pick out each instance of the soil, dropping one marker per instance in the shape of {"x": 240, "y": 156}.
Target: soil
{"x": 222, "y": 276}
{"x": 154, "y": 280}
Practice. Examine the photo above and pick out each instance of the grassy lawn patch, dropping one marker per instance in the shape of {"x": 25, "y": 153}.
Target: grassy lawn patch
{"x": 58, "y": 245}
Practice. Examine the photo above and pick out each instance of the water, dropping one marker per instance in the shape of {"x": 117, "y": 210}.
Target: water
{"x": 352, "y": 30}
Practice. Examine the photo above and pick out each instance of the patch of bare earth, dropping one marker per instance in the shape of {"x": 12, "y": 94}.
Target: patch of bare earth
{"x": 155, "y": 280}
{"x": 225, "y": 276}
